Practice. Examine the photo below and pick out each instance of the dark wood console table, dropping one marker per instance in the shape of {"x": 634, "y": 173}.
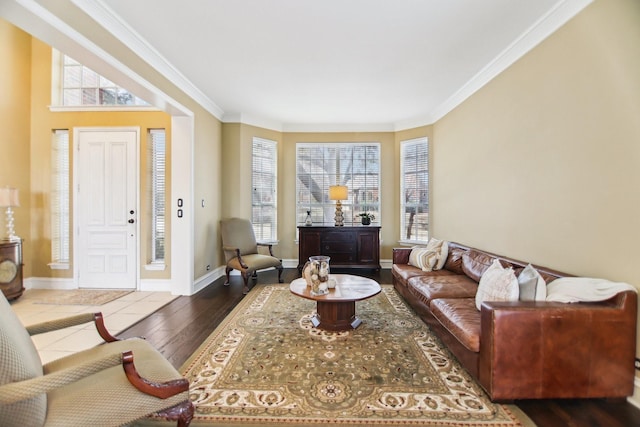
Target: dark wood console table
{"x": 348, "y": 247}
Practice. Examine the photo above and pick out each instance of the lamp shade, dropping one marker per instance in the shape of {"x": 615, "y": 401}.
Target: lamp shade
{"x": 9, "y": 197}
{"x": 338, "y": 192}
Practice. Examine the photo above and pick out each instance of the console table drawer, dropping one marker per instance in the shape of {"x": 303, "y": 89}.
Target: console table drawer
{"x": 333, "y": 247}
{"x": 336, "y": 236}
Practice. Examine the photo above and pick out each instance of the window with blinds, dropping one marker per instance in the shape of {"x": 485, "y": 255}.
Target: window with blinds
{"x": 414, "y": 203}
{"x": 156, "y": 183}
{"x": 320, "y": 165}
{"x": 81, "y": 86}
{"x": 60, "y": 204}
{"x": 264, "y": 182}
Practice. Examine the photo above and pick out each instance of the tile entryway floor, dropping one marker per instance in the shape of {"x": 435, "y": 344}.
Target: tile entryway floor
{"x": 118, "y": 314}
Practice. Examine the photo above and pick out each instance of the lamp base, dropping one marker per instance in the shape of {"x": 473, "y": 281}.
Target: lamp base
{"x": 339, "y": 218}
{"x": 10, "y": 235}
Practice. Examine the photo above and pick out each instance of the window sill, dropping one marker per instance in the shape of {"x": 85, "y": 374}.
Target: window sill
{"x": 59, "y": 265}
{"x": 156, "y": 266}
{"x": 412, "y": 242}
{"x": 101, "y": 108}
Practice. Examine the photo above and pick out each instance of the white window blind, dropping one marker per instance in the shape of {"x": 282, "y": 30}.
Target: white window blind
{"x": 414, "y": 203}
{"x": 264, "y": 181}
{"x": 60, "y": 238}
{"x": 321, "y": 165}
{"x": 264, "y": 184}
{"x": 156, "y": 182}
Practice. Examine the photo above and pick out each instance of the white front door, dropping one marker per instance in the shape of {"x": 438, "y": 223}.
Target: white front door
{"x": 106, "y": 208}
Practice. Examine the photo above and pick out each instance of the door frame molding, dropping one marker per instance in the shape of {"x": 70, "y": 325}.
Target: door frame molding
{"x": 76, "y": 149}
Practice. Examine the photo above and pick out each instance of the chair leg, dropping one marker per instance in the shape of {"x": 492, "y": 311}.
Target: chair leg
{"x": 280, "y": 269}
{"x": 227, "y": 271}
{"x": 245, "y": 277}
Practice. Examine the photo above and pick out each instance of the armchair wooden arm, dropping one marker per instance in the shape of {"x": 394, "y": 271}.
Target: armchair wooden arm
{"x": 66, "y": 322}
{"x": 160, "y": 390}
{"x": 236, "y": 254}
{"x": 267, "y": 245}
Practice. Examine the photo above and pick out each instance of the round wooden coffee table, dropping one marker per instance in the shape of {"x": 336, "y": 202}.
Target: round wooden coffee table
{"x": 336, "y": 311}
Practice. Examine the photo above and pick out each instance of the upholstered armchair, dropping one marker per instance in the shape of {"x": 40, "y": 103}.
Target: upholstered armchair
{"x": 241, "y": 251}
{"x": 100, "y": 386}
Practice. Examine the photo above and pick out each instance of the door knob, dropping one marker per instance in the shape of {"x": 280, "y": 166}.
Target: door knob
{"x": 131, "y": 221}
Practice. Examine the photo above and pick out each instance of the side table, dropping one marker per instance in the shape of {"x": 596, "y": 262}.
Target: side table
{"x": 11, "y": 269}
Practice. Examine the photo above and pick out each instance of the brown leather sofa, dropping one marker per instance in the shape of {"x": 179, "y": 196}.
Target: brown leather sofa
{"x": 523, "y": 349}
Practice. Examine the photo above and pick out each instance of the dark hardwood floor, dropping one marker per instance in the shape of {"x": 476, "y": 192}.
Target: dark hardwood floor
{"x": 179, "y": 328}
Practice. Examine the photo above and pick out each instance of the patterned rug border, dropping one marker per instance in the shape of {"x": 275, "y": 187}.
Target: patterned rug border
{"x": 520, "y": 419}
{"x": 80, "y": 297}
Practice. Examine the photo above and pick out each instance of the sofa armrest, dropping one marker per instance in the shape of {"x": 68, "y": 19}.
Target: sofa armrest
{"x": 555, "y": 350}
{"x": 401, "y": 255}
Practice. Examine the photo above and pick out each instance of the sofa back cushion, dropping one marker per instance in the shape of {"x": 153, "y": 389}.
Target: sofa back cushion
{"x": 454, "y": 260}
{"x": 475, "y": 263}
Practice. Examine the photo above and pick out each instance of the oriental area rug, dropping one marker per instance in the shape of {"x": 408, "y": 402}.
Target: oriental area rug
{"x": 267, "y": 365}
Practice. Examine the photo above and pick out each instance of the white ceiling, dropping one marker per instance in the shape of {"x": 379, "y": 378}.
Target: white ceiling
{"x": 331, "y": 64}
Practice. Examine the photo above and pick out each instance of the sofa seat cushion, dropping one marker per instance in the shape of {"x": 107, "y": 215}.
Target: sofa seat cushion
{"x": 461, "y": 318}
{"x": 442, "y": 284}
{"x": 404, "y": 272}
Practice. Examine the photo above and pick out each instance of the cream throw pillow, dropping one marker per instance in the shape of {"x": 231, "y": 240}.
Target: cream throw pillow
{"x": 441, "y": 250}
{"x": 497, "y": 284}
{"x": 423, "y": 258}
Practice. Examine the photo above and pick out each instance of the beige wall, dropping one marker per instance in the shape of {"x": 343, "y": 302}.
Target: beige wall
{"x": 43, "y": 121}
{"x": 287, "y": 186}
{"x": 15, "y": 87}
{"x": 237, "y": 140}
{"x": 208, "y": 182}
{"x": 25, "y": 82}
{"x": 543, "y": 163}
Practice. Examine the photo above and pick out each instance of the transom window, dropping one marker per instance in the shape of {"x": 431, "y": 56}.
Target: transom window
{"x": 81, "y": 86}
{"x": 414, "y": 203}
{"x": 321, "y": 165}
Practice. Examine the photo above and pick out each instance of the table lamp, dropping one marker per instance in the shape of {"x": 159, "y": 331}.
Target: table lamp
{"x": 338, "y": 193}
{"x": 9, "y": 199}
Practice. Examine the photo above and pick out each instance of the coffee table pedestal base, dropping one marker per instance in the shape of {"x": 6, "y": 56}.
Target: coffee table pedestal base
{"x": 336, "y": 316}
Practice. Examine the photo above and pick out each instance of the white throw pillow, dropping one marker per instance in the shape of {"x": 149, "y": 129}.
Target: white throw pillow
{"x": 441, "y": 249}
{"x": 532, "y": 285}
{"x": 497, "y": 284}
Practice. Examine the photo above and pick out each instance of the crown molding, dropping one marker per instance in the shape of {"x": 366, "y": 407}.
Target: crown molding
{"x": 107, "y": 18}
{"x": 98, "y": 10}
{"x": 250, "y": 120}
{"x": 33, "y": 18}
{"x": 338, "y": 127}
{"x": 539, "y": 31}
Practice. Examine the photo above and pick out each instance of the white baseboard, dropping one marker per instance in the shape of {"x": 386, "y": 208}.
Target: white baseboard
{"x": 635, "y": 399}
{"x": 49, "y": 283}
{"x": 203, "y": 281}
